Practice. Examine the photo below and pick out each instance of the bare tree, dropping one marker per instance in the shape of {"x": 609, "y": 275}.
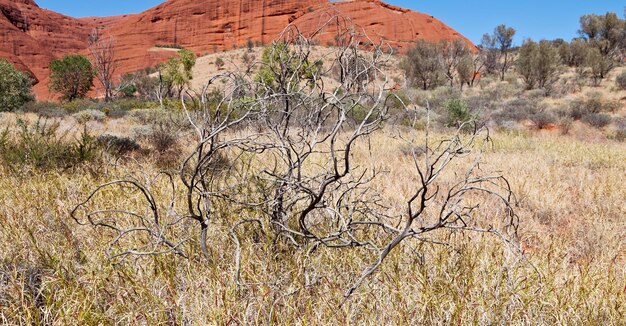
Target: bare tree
{"x": 453, "y": 54}
{"x": 277, "y": 150}
{"x": 102, "y": 50}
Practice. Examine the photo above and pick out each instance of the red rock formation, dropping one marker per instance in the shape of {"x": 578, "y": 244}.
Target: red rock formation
{"x": 377, "y": 20}
{"x": 31, "y": 36}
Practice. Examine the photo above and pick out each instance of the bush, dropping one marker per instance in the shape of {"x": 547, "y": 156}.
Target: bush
{"x": 15, "y": 87}
{"x": 542, "y": 120}
{"x": 620, "y": 80}
{"x": 118, "y": 145}
{"x": 598, "y": 120}
{"x": 620, "y": 132}
{"x": 517, "y": 110}
{"x": 592, "y": 103}
{"x": 85, "y": 116}
{"x": 538, "y": 64}
{"x": 40, "y": 145}
{"x": 457, "y": 113}
{"x": 44, "y": 109}
{"x": 162, "y": 139}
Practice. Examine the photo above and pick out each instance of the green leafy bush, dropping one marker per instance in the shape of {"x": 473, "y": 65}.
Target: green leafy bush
{"x": 457, "y": 113}
{"x": 15, "y": 87}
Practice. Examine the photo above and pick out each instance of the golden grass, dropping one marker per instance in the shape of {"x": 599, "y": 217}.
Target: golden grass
{"x": 573, "y": 226}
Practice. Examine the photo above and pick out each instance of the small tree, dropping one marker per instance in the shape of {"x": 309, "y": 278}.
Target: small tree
{"x": 219, "y": 63}
{"x": 538, "y": 64}
{"x": 600, "y": 65}
{"x": 72, "y": 76}
{"x": 452, "y": 52}
{"x": 465, "y": 70}
{"x": 176, "y": 73}
{"x": 423, "y": 65}
{"x": 605, "y": 33}
{"x": 15, "y": 87}
{"x": 103, "y": 52}
{"x": 503, "y": 37}
{"x": 489, "y": 54}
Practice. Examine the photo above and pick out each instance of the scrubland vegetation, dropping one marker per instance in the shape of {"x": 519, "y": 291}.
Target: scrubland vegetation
{"x": 308, "y": 188}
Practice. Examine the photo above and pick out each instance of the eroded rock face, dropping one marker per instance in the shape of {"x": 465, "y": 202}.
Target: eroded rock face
{"x": 31, "y": 36}
{"x": 376, "y": 21}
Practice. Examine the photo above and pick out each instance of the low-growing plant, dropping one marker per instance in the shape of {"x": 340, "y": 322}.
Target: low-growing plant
{"x": 44, "y": 109}
{"x": 543, "y": 120}
{"x": 598, "y": 120}
{"x": 85, "y": 116}
{"x": 457, "y": 113}
{"x": 620, "y": 81}
{"x": 592, "y": 103}
{"x": 41, "y": 145}
{"x": 118, "y": 145}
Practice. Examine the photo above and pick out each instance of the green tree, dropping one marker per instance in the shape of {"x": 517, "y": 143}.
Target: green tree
{"x": 503, "y": 36}
{"x": 178, "y": 71}
{"x": 15, "y": 87}
{"x": 72, "y": 76}
{"x": 600, "y": 65}
{"x": 280, "y": 62}
{"x": 423, "y": 65}
{"x": 538, "y": 64}
{"x": 604, "y": 32}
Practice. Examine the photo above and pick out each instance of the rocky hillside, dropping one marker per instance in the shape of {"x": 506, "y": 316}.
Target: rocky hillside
{"x": 32, "y": 36}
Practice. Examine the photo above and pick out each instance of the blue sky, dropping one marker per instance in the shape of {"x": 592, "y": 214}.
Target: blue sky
{"x": 536, "y": 19}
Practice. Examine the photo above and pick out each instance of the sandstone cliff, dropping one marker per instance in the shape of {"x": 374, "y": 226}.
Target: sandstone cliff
{"x": 32, "y": 36}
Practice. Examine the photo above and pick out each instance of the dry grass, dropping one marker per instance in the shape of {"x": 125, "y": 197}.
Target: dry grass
{"x": 571, "y": 204}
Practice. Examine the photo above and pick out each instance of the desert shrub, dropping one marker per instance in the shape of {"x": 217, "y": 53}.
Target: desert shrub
{"x": 535, "y": 94}
{"x": 219, "y": 63}
{"x": 565, "y": 123}
{"x": 518, "y": 109}
{"x": 121, "y": 107}
{"x": 360, "y": 112}
{"x": 41, "y": 145}
{"x": 397, "y": 101}
{"x": 89, "y": 115}
{"x": 15, "y": 87}
{"x": 620, "y": 132}
{"x": 457, "y": 113}
{"x": 163, "y": 139}
{"x": 82, "y": 104}
{"x": 141, "y": 132}
{"x": 542, "y": 120}
{"x": 436, "y": 97}
{"x": 598, "y": 120}
{"x": 592, "y": 103}
{"x": 501, "y": 91}
{"x": 44, "y": 109}
{"x": 118, "y": 145}
{"x": 620, "y": 81}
